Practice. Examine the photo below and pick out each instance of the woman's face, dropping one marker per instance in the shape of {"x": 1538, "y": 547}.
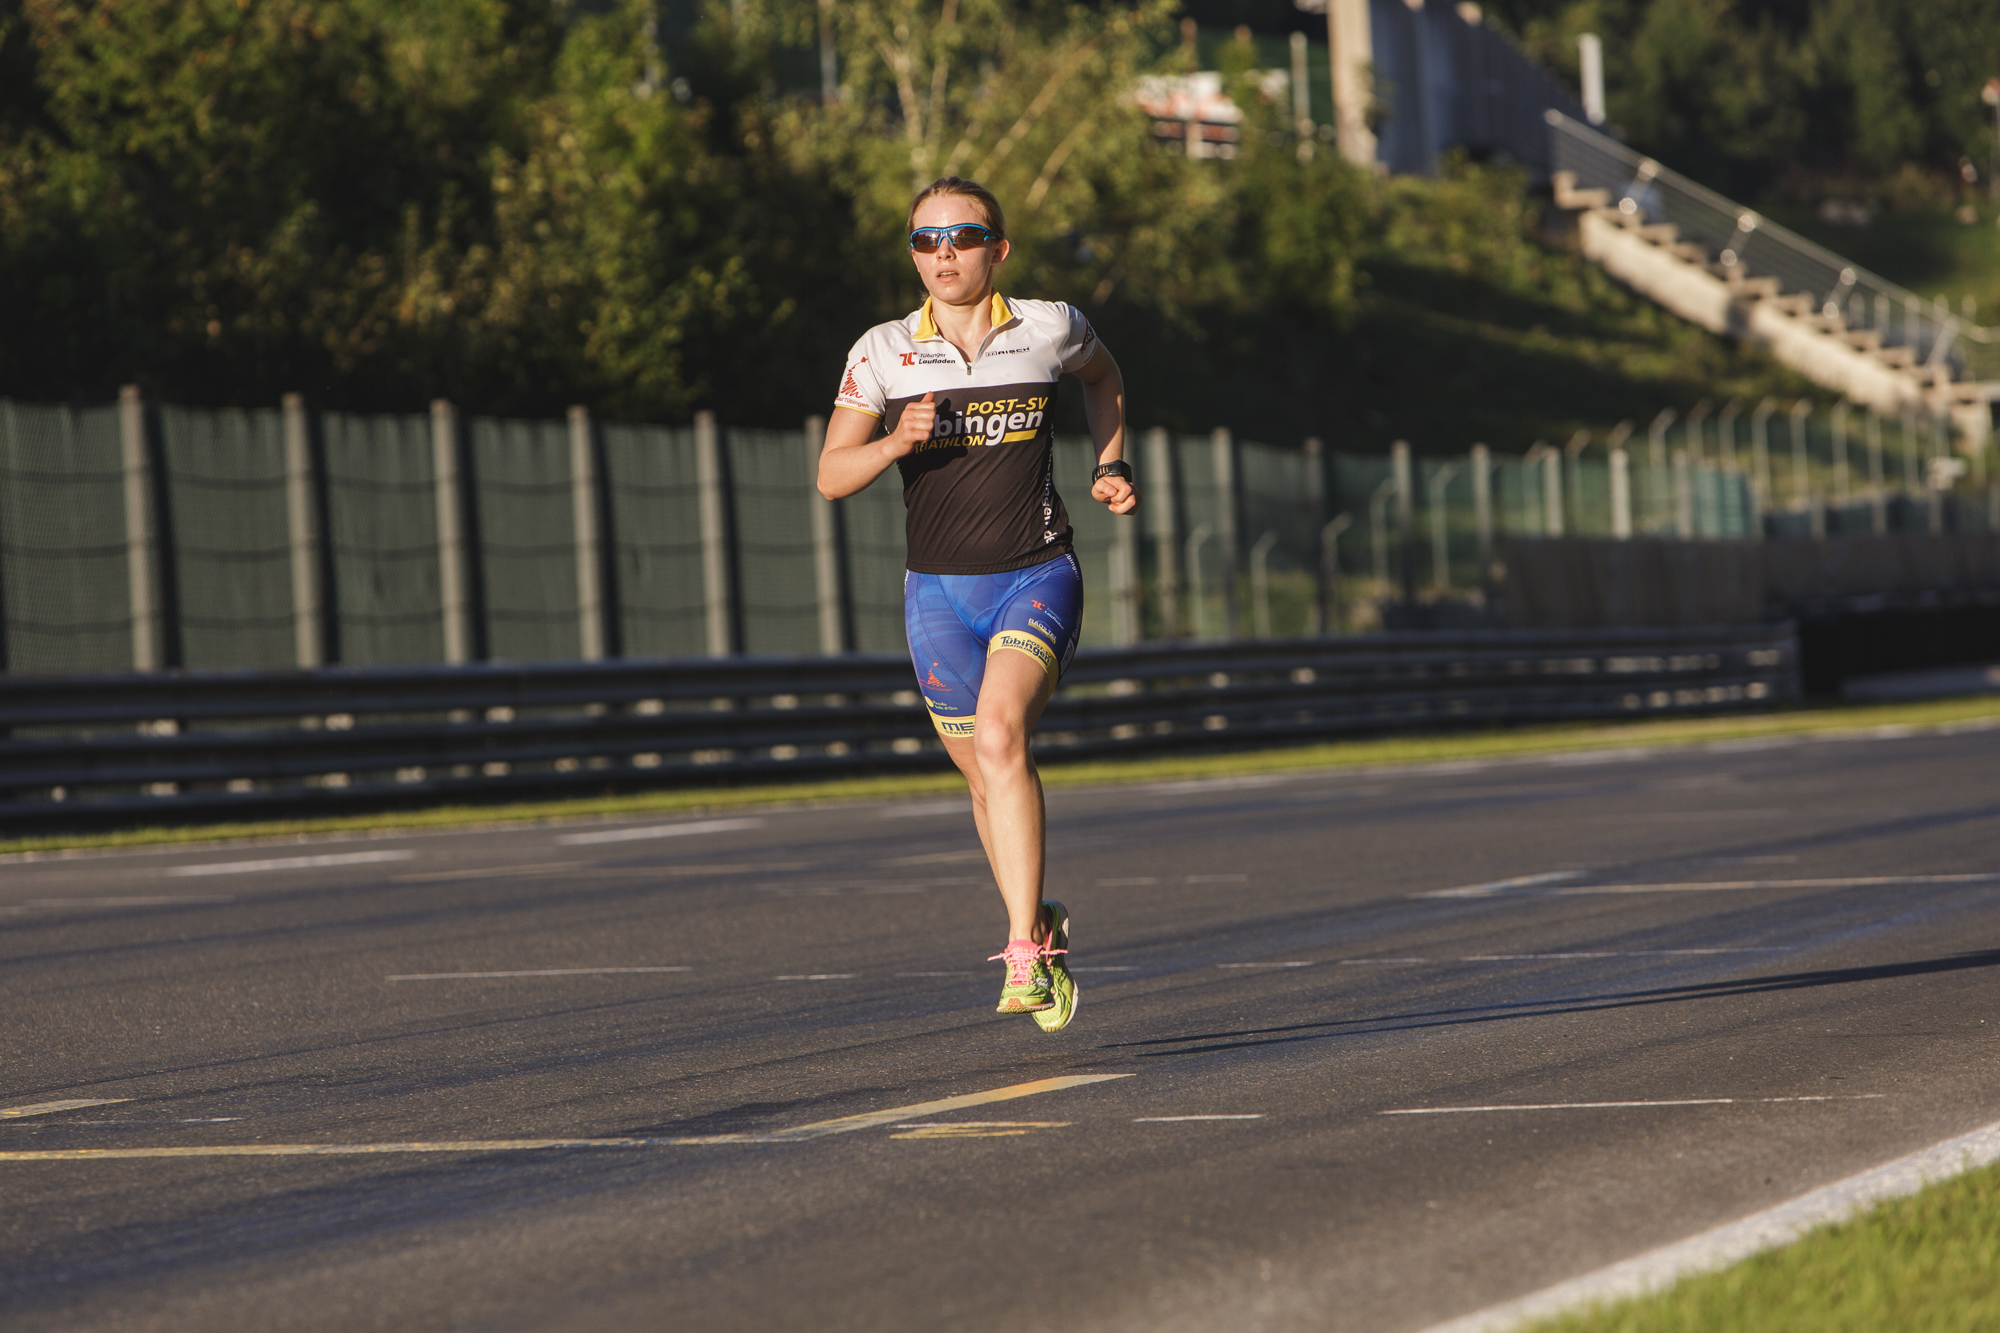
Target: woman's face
{"x": 956, "y": 277}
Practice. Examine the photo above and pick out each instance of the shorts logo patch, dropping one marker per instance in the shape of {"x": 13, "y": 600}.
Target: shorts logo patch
{"x": 933, "y": 683}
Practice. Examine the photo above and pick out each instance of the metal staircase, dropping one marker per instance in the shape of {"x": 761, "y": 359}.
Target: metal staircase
{"x": 1736, "y": 273}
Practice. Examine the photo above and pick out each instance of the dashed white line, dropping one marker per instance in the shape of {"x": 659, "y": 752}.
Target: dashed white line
{"x": 1304, "y": 962}
{"x": 1492, "y": 887}
{"x": 1599, "y": 1106}
{"x": 1626, "y": 953}
{"x": 650, "y": 831}
{"x": 1857, "y": 882}
{"x": 1134, "y": 881}
{"x": 1170, "y": 1119}
{"x": 318, "y": 862}
{"x": 818, "y": 976}
{"x": 537, "y": 972}
{"x": 1218, "y": 879}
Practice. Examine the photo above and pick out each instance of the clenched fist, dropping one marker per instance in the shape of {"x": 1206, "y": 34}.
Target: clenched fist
{"x": 919, "y": 419}
{"x": 1115, "y": 493}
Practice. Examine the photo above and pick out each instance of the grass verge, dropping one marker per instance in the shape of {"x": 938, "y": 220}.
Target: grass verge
{"x": 1929, "y": 1262}
{"x": 1390, "y": 750}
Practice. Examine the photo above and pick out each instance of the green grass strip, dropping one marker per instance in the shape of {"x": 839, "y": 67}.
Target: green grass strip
{"x": 1926, "y": 1264}
{"x": 1389, "y": 750}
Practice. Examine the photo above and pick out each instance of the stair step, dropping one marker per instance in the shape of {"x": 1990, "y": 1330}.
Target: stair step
{"x": 1798, "y": 303}
{"x": 1688, "y": 250}
{"x": 1568, "y": 196}
{"x": 1759, "y": 288}
{"x": 1896, "y": 356}
{"x": 1661, "y": 233}
{"x": 1867, "y": 340}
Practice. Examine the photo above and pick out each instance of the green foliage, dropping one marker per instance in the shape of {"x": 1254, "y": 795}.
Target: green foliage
{"x": 1929, "y": 1262}
{"x": 1753, "y": 96}
{"x": 519, "y": 205}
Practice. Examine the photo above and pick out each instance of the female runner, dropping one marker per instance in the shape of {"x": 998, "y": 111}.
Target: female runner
{"x": 957, "y": 394}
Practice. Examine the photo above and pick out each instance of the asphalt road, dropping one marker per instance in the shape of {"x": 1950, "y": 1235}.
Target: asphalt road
{"x": 1695, "y": 983}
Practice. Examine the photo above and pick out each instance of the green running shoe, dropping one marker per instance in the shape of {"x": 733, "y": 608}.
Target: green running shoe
{"x": 1026, "y": 990}
{"x": 1062, "y": 986}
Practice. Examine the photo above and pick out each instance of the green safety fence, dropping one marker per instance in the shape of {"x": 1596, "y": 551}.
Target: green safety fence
{"x": 140, "y": 535}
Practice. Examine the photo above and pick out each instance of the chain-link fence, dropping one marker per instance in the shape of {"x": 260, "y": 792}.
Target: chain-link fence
{"x": 136, "y": 536}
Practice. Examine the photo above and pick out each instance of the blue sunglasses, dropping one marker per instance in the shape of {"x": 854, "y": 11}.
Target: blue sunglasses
{"x": 960, "y": 236}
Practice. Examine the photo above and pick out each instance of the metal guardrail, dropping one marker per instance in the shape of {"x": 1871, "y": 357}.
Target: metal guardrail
{"x": 133, "y": 748}
{"x": 1741, "y": 243}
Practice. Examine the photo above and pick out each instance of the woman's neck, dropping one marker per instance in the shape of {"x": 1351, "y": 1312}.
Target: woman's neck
{"x": 964, "y": 326}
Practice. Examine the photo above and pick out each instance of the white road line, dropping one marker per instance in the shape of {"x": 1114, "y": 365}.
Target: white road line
{"x": 539, "y": 972}
{"x": 918, "y": 808}
{"x": 1858, "y": 882}
{"x": 818, "y": 976}
{"x": 936, "y": 858}
{"x": 155, "y": 900}
{"x": 1719, "y": 1247}
{"x": 1369, "y": 962}
{"x": 1627, "y": 953}
{"x": 650, "y": 831}
{"x": 290, "y": 863}
{"x": 49, "y": 1108}
{"x": 937, "y": 974}
{"x": 1126, "y": 883}
{"x": 1487, "y": 890}
{"x": 1102, "y": 968}
{"x": 1599, "y": 1106}
{"x": 1170, "y": 1119}
{"x": 1218, "y": 879}
{"x": 819, "y": 1129}
{"x": 1307, "y": 962}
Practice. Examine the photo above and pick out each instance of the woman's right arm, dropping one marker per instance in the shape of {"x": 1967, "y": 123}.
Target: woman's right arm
{"x": 854, "y": 455}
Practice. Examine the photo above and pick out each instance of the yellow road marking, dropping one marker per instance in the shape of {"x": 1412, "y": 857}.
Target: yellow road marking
{"x": 846, "y": 1124}
{"x": 45, "y": 1108}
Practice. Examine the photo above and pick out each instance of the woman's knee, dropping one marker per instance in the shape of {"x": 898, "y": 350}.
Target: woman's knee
{"x": 1000, "y": 748}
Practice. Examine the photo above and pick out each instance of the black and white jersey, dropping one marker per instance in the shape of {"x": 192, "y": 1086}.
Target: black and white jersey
{"x": 980, "y": 493}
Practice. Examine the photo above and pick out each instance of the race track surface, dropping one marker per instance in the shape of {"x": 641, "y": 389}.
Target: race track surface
{"x": 1388, "y": 1047}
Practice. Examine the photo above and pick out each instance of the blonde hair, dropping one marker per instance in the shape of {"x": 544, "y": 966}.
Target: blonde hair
{"x": 996, "y": 219}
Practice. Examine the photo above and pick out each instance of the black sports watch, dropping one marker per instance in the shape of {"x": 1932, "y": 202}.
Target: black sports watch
{"x": 1116, "y": 468}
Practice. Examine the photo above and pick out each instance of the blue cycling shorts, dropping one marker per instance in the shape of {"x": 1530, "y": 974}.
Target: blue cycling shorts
{"x": 955, "y": 621}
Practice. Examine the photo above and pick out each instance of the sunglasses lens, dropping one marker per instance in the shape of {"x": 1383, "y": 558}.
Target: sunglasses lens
{"x": 967, "y": 236}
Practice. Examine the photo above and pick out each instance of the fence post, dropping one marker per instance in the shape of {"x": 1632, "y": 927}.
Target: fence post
{"x": 1399, "y": 474}
{"x": 139, "y": 544}
{"x": 457, "y": 605}
{"x": 1878, "y": 494}
{"x": 1315, "y": 473}
{"x": 1843, "y": 493}
{"x": 301, "y": 515}
{"x": 1125, "y": 582}
{"x": 1160, "y": 478}
{"x": 589, "y": 544}
{"x": 1621, "y": 494}
{"x": 1760, "y": 465}
{"x": 717, "y": 572}
{"x": 1656, "y": 507}
{"x": 1683, "y": 495}
{"x": 826, "y": 550}
{"x": 1483, "y": 505}
{"x": 1552, "y": 491}
{"x": 1941, "y": 482}
{"x": 1224, "y": 450}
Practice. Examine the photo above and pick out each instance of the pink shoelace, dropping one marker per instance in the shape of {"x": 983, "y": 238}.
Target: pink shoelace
{"x": 1020, "y": 956}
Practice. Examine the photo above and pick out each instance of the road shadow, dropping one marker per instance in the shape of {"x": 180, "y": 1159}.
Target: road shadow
{"x": 1507, "y": 1011}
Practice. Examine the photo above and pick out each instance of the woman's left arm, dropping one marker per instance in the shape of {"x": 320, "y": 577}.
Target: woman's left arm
{"x": 1104, "y": 408}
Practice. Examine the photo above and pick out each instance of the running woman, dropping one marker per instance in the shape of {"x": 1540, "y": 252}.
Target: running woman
{"x": 957, "y": 395}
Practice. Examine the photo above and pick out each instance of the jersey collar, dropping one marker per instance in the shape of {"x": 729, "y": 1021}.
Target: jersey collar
{"x": 927, "y": 329}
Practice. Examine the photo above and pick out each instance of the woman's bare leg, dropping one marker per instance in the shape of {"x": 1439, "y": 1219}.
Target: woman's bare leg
{"x": 1006, "y": 790}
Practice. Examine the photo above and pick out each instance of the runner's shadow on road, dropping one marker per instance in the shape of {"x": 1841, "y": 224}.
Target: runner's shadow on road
{"x": 1509, "y": 1011}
